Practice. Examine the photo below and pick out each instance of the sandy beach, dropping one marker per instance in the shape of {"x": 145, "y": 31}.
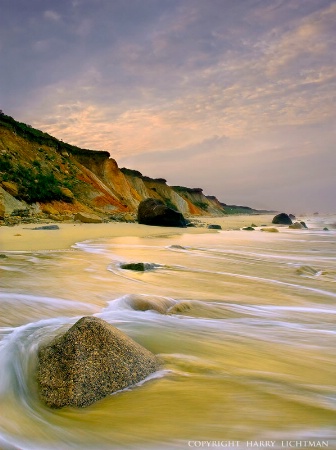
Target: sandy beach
{"x": 24, "y": 238}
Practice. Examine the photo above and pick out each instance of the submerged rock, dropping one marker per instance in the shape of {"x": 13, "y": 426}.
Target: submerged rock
{"x": 282, "y": 219}
{"x": 177, "y": 247}
{"x": 270, "y": 230}
{"x": 306, "y": 271}
{"x": 248, "y": 228}
{"x": 139, "y": 267}
{"x": 155, "y": 212}
{"x": 90, "y": 361}
{"x": 158, "y": 304}
{"x": 325, "y": 229}
{"x": 214, "y": 227}
{"x": 304, "y": 224}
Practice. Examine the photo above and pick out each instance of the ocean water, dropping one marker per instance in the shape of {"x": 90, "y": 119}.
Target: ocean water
{"x": 247, "y": 339}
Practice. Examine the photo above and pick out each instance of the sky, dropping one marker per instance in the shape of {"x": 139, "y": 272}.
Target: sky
{"x": 234, "y": 96}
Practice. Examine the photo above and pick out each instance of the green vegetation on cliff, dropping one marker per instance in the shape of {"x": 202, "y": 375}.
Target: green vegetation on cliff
{"x": 34, "y": 183}
{"x": 37, "y": 167}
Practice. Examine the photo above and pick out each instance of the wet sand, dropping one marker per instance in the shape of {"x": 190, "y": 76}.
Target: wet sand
{"x": 24, "y": 238}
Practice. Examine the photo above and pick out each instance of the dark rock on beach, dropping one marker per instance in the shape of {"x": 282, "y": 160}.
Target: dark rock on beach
{"x": 248, "y": 228}
{"x": 214, "y": 227}
{"x": 90, "y": 361}
{"x": 282, "y": 219}
{"x": 155, "y": 212}
{"x": 47, "y": 227}
{"x": 303, "y": 224}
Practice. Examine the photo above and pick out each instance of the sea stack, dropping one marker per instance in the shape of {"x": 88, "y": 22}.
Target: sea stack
{"x": 92, "y": 360}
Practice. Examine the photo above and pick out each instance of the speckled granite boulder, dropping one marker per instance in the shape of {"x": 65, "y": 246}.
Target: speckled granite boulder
{"x": 91, "y": 360}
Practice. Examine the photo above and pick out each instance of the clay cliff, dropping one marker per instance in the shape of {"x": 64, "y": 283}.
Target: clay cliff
{"x": 43, "y": 177}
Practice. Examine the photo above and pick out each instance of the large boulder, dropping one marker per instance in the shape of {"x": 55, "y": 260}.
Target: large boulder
{"x": 296, "y": 226}
{"x": 154, "y": 212}
{"x": 87, "y": 218}
{"x": 90, "y": 361}
{"x": 282, "y": 219}
{"x": 49, "y": 209}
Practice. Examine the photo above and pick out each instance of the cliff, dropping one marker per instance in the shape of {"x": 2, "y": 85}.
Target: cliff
{"x": 45, "y": 177}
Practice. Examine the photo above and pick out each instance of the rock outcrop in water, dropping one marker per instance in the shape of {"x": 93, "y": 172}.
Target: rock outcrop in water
{"x": 296, "y": 226}
{"x": 282, "y": 219}
{"x": 90, "y": 361}
{"x": 138, "y": 267}
{"x": 154, "y": 212}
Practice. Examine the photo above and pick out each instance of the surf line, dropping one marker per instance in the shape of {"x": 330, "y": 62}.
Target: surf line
{"x": 270, "y": 281}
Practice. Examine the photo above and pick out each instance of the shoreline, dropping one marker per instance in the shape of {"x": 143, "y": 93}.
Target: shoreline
{"x": 23, "y": 238}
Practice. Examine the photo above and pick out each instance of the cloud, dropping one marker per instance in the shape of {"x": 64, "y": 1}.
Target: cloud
{"x": 305, "y": 44}
{"x": 52, "y": 15}
{"x": 171, "y": 87}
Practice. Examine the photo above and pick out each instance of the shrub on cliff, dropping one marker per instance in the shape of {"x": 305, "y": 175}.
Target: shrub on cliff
{"x": 170, "y": 204}
{"x": 202, "y": 205}
{"x": 34, "y": 185}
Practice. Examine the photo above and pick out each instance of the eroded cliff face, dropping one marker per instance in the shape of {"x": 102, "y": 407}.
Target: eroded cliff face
{"x": 47, "y": 176}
